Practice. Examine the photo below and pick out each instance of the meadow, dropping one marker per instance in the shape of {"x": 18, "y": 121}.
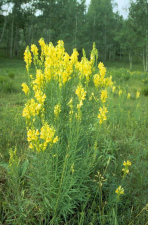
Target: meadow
{"x": 73, "y": 149}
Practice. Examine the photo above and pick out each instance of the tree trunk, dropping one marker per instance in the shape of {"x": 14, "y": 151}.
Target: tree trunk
{"x": 120, "y": 52}
{"x": 146, "y": 56}
{"x": 130, "y": 61}
{"x": 143, "y": 60}
{"x": 11, "y": 38}
{"x": 3, "y": 30}
{"x": 16, "y": 41}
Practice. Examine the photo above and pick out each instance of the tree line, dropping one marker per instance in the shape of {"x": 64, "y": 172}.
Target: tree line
{"x": 77, "y": 26}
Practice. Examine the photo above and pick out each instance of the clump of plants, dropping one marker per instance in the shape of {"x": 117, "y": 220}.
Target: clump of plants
{"x": 64, "y": 176}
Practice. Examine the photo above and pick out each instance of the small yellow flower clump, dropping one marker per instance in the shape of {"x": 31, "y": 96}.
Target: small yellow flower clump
{"x": 34, "y": 50}
{"x": 102, "y": 114}
{"x": 113, "y": 89}
{"x": 126, "y": 169}
{"x": 137, "y": 94}
{"x": 103, "y": 96}
{"x": 100, "y": 80}
{"x": 120, "y": 92}
{"x": 27, "y": 58}
{"x": 81, "y": 93}
{"x": 119, "y": 191}
{"x": 57, "y": 110}
{"x": 25, "y": 88}
{"x": 128, "y": 96}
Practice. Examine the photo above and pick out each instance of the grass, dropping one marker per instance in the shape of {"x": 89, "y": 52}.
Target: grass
{"x": 123, "y": 137}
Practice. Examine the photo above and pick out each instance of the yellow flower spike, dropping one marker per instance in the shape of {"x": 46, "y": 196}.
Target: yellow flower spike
{"x": 128, "y": 96}
{"x": 128, "y": 163}
{"x": 56, "y": 139}
{"x": 34, "y": 50}
{"x": 119, "y": 191}
{"x": 120, "y": 92}
{"x": 70, "y": 102}
{"x": 25, "y": 88}
{"x": 103, "y": 96}
{"x": 38, "y": 83}
{"x": 47, "y": 133}
{"x": 74, "y": 57}
{"x": 97, "y": 80}
{"x": 102, "y": 116}
{"x": 80, "y": 92}
{"x": 32, "y": 135}
{"x": 113, "y": 89}
{"x": 42, "y": 43}
{"x": 137, "y": 94}
{"x": 100, "y": 65}
{"x": 126, "y": 169}
{"x": 40, "y": 96}
{"x": 31, "y": 146}
{"x": 27, "y": 58}
{"x": 57, "y": 110}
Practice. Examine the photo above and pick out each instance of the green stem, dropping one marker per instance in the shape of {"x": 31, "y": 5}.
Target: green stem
{"x": 61, "y": 182}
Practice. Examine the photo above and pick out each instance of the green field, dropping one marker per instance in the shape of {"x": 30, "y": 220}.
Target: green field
{"x": 124, "y": 136}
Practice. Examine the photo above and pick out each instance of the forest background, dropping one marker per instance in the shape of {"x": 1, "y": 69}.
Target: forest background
{"x": 78, "y": 26}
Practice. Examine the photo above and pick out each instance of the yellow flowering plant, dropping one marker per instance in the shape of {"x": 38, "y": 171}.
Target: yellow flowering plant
{"x": 62, "y": 103}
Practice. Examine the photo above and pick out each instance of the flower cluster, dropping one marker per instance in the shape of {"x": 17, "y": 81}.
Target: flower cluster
{"x": 55, "y": 71}
{"x": 119, "y": 191}
{"x": 126, "y": 167}
{"x": 27, "y": 58}
{"x": 102, "y": 115}
{"x": 81, "y": 93}
{"x": 100, "y": 80}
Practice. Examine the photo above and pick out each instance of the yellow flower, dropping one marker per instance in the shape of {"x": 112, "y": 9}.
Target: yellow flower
{"x": 40, "y": 96}
{"x": 128, "y": 96}
{"x": 57, "y": 110}
{"x": 74, "y": 56}
{"x": 70, "y": 102}
{"x": 120, "y": 92}
{"x": 32, "y": 135}
{"x": 27, "y": 58}
{"x": 137, "y": 94}
{"x": 128, "y": 163}
{"x": 42, "y": 43}
{"x": 100, "y": 65}
{"x": 80, "y": 104}
{"x": 80, "y": 92}
{"x": 102, "y": 69}
{"x": 113, "y": 89}
{"x": 103, "y": 96}
{"x": 119, "y": 191}
{"x": 55, "y": 139}
{"x": 102, "y": 116}
{"x": 47, "y": 133}
{"x": 97, "y": 80}
{"x": 25, "y": 88}
{"x": 38, "y": 83}
{"x": 34, "y": 49}
{"x": 126, "y": 169}
{"x": 30, "y": 109}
